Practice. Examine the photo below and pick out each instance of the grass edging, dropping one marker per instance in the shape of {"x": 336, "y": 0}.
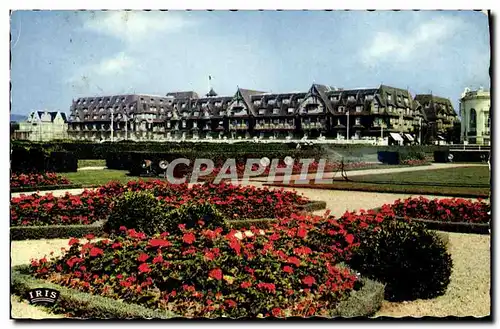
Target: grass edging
{"x": 55, "y": 231}
{"x": 45, "y": 188}
{"x": 459, "y": 227}
{"x": 363, "y": 302}
{"x": 84, "y": 305}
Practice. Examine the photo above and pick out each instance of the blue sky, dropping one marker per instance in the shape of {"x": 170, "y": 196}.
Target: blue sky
{"x": 61, "y": 55}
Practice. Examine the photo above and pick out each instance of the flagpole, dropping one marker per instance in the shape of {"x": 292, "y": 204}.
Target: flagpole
{"x": 347, "y": 124}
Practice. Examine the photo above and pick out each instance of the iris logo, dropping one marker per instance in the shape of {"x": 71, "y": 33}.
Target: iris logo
{"x": 42, "y": 295}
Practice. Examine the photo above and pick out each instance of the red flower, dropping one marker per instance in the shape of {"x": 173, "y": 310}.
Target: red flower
{"x": 144, "y": 268}
{"x": 73, "y": 241}
{"x": 276, "y": 312}
{"x": 94, "y": 252}
{"x": 188, "y": 238}
{"x": 231, "y": 303}
{"x": 159, "y": 243}
{"x": 216, "y": 273}
{"x": 309, "y": 280}
{"x": 90, "y": 236}
{"x": 123, "y": 228}
{"x": 301, "y": 233}
{"x": 143, "y": 257}
{"x": 287, "y": 269}
{"x": 125, "y": 284}
{"x": 158, "y": 259}
{"x": 245, "y": 285}
{"x": 116, "y": 245}
{"x": 294, "y": 260}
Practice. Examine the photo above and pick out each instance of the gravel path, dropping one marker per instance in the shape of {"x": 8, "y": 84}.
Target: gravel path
{"x": 92, "y": 168}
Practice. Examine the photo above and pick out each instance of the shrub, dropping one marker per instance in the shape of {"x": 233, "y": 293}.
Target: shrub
{"x": 191, "y": 213}
{"x": 137, "y": 210}
{"x": 410, "y": 260}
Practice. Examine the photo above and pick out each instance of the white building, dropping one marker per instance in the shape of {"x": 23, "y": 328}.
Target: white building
{"x": 43, "y": 126}
{"x": 475, "y": 114}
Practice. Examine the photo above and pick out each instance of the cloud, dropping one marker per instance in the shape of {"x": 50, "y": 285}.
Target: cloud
{"x": 107, "y": 70}
{"x": 133, "y": 26}
{"x": 403, "y": 47}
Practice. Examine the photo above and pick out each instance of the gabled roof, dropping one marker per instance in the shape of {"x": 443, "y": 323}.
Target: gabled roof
{"x": 246, "y": 95}
{"x": 322, "y": 90}
{"x": 431, "y": 100}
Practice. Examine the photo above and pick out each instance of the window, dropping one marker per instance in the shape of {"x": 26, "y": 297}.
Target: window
{"x": 257, "y": 102}
{"x": 196, "y": 113}
{"x": 262, "y": 111}
{"x": 168, "y": 124}
{"x": 162, "y": 109}
{"x": 341, "y": 109}
{"x": 389, "y": 97}
{"x": 221, "y": 113}
{"x": 286, "y": 101}
{"x": 271, "y": 102}
{"x": 472, "y": 120}
{"x": 358, "y": 121}
{"x": 351, "y": 98}
{"x": 359, "y": 108}
{"x": 276, "y": 111}
{"x": 389, "y": 108}
{"x": 169, "y": 114}
{"x": 144, "y": 107}
{"x": 290, "y": 110}
{"x": 369, "y": 97}
{"x": 183, "y": 124}
{"x": 406, "y": 100}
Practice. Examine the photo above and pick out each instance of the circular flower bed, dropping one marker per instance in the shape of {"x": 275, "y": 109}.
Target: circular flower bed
{"x": 234, "y": 202}
{"x": 35, "y": 180}
{"x": 444, "y": 210}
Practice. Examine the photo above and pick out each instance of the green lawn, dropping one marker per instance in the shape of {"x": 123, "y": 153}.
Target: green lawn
{"x": 91, "y": 163}
{"x": 456, "y": 182}
{"x": 98, "y": 177}
{"x": 456, "y": 177}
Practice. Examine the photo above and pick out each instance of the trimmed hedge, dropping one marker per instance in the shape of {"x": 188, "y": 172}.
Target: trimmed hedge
{"x": 55, "y": 231}
{"x": 83, "y": 305}
{"x": 459, "y": 227}
{"x": 49, "y": 188}
{"x": 37, "y": 159}
{"x": 364, "y": 302}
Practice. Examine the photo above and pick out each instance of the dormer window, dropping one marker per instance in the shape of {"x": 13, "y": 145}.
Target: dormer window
{"x": 389, "y": 97}
{"x": 162, "y": 110}
{"x": 286, "y": 101}
{"x": 257, "y": 102}
{"x": 359, "y": 109}
{"x": 221, "y": 113}
{"x": 218, "y": 103}
{"x": 169, "y": 124}
{"x": 369, "y": 97}
{"x": 262, "y": 111}
{"x": 184, "y": 114}
{"x": 276, "y": 111}
{"x": 271, "y": 102}
{"x": 204, "y": 105}
{"x": 351, "y": 98}
{"x": 196, "y": 113}
{"x": 100, "y": 100}
{"x": 291, "y": 110}
{"x": 169, "y": 114}
{"x": 334, "y": 98}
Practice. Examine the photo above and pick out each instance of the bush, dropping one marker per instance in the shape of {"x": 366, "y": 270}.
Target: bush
{"x": 191, "y": 213}
{"x": 138, "y": 210}
{"x": 410, "y": 260}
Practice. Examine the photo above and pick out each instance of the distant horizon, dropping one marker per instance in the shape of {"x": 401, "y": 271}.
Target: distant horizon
{"x": 58, "y": 56}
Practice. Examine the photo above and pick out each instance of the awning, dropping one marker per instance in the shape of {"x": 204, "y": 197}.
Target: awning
{"x": 397, "y": 137}
{"x": 410, "y": 137}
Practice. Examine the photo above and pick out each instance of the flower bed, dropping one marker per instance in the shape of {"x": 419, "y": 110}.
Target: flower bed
{"x": 216, "y": 273}
{"x": 443, "y": 210}
{"x": 235, "y": 202}
{"x": 36, "y": 180}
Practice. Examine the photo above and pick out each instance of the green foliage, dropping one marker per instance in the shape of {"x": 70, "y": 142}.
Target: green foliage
{"x": 410, "y": 260}
{"x": 190, "y": 214}
{"x": 55, "y": 231}
{"x": 138, "y": 210}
